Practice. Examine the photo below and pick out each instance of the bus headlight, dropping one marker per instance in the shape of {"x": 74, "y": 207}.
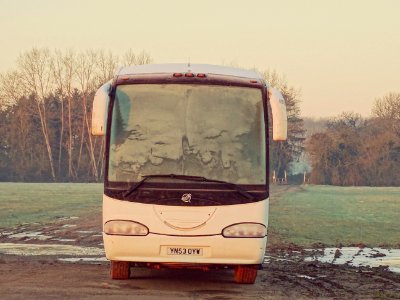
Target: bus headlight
{"x": 245, "y": 230}
{"x": 123, "y": 227}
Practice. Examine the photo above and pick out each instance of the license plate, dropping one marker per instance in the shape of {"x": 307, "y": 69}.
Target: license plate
{"x": 190, "y": 251}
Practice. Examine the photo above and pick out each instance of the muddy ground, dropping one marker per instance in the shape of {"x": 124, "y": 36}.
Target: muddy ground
{"x": 286, "y": 274}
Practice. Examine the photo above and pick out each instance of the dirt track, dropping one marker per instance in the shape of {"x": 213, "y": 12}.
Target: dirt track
{"x": 285, "y": 276}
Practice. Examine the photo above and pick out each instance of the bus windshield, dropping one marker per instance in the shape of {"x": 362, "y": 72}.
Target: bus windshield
{"x": 213, "y": 131}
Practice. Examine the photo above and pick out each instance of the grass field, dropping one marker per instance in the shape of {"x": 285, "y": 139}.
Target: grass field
{"x": 41, "y": 202}
{"x": 338, "y": 215}
{"x": 304, "y": 216}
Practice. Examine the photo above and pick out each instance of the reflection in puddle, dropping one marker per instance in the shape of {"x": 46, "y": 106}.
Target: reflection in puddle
{"x": 86, "y": 231}
{"x": 5, "y": 233}
{"x": 68, "y": 218}
{"x": 37, "y": 235}
{"x": 64, "y": 240}
{"x": 359, "y": 257}
{"x": 69, "y": 225}
{"x": 40, "y": 249}
{"x": 306, "y": 277}
{"x": 84, "y": 259}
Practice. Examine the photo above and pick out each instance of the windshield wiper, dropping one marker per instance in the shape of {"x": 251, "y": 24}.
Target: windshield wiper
{"x": 235, "y": 187}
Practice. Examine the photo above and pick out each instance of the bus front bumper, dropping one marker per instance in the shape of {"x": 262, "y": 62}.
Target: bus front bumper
{"x": 214, "y": 249}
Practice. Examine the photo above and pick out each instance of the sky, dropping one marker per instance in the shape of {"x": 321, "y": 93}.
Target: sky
{"x": 341, "y": 54}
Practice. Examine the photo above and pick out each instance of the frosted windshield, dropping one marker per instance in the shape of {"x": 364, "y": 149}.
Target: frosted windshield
{"x": 202, "y": 130}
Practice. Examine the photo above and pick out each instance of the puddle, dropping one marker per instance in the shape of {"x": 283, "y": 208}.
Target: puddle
{"x": 359, "y": 257}
{"x": 33, "y": 235}
{"x": 89, "y": 260}
{"x": 293, "y": 256}
{"x": 67, "y": 218}
{"x": 86, "y": 231}
{"x": 4, "y": 233}
{"x": 306, "y": 277}
{"x": 352, "y": 256}
{"x": 68, "y": 225}
{"x": 268, "y": 259}
{"x": 40, "y": 249}
{"x": 64, "y": 240}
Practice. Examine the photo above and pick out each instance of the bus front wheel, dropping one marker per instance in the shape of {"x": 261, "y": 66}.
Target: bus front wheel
{"x": 245, "y": 274}
{"x": 120, "y": 269}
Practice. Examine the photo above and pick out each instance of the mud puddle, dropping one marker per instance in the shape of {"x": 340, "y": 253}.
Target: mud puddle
{"x": 358, "y": 257}
{"x": 350, "y": 256}
{"x": 48, "y": 249}
{"x": 345, "y": 256}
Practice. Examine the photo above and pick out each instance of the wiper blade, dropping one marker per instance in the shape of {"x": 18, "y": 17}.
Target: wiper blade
{"x": 145, "y": 177}
{"x": 236, "y": 187}
{"x": 135, "y": 186}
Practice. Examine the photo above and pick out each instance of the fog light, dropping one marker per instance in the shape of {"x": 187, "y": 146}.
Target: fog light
{"x": 245, "y": 230}
{"x": 123, "y": 227}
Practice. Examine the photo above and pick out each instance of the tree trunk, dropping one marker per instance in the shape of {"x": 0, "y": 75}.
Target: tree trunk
{"x": 61, "y": 136}
{"x": 42, "y": 115}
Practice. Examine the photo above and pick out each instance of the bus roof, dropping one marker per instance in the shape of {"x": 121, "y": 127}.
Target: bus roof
{"x": 188, "y": 68}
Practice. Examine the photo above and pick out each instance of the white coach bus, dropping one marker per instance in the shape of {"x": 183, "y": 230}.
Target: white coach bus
{"x": 186, "y": 181}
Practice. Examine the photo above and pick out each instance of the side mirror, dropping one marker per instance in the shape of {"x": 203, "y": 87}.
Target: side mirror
{"x": 100, "y": 109}
{"x": 279, "y": 117}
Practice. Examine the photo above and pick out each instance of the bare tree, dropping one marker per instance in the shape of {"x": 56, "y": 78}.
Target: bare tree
{"x": 11, "y": 89}
{"x": 107, "y": 66}
{"x": 132, "y": 59}
{"x": 346, "y": 120}
{"x": 387, "y": 108}
{"x": 64, "y": 67}
{"x": 86, "y": 74}
{"x": 36, "y": 75}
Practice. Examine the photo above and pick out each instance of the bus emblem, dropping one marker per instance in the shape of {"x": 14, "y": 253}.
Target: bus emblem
{"x": 186, "y": 198}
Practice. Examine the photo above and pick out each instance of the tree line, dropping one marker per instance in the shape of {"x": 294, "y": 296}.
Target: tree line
{"x": 45, "y": 115}
{"x": 357, "y": 151}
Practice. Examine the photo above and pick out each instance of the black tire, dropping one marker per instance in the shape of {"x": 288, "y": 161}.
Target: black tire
{"x": 245, "y": 274}
{"x": 120, "y": 270}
